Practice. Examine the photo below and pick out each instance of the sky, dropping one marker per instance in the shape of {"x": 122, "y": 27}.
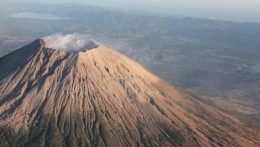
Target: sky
{"x": 238, "y": 10}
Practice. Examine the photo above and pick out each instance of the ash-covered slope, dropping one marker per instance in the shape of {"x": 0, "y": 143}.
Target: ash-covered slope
{"x": 99, "y": 97}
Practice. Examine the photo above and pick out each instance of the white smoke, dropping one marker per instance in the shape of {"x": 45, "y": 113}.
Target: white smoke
{"x": 70, "y": 42}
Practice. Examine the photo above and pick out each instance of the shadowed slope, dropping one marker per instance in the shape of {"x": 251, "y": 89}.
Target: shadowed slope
{"x": 99, "y": 97}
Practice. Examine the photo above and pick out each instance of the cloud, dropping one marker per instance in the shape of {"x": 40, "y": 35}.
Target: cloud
{"x": 70, "y": 42}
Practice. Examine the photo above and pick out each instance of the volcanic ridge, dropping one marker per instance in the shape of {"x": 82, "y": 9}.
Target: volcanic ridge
{"x": 98, "y": 97}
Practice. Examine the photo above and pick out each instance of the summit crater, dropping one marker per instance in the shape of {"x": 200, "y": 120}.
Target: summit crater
{"x": 70, "y": 43}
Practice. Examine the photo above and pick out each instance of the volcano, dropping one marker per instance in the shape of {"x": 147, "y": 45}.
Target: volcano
{"x": 99, "y": 97}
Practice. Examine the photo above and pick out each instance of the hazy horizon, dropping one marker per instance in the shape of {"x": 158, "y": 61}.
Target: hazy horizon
{"x": 234, "y": 10}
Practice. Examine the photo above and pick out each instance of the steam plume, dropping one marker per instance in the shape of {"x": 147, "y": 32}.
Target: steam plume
{"x": 70, "y": 42}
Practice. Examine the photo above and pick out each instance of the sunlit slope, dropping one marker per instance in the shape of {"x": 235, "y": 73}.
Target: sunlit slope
{"x": 99, "y": 97}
